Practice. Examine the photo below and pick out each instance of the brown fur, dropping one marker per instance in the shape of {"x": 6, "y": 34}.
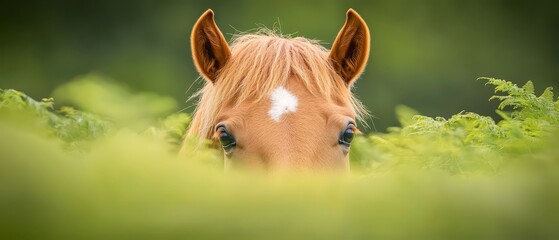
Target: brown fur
{"x": 240, "y": 82}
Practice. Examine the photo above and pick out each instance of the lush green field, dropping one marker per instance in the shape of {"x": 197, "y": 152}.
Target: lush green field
{"x": 110, "y": 170}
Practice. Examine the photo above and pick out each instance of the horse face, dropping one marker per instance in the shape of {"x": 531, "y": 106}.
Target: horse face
{"x": 279, "y": 103}
{"x": 291, "y": 129}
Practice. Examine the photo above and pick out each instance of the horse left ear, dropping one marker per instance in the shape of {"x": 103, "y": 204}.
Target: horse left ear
{"x": 350, "y": 50}
{"x": 209, "y": 48}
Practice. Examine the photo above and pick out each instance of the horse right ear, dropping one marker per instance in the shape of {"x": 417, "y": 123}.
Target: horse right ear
{"x": 209, "y": 48}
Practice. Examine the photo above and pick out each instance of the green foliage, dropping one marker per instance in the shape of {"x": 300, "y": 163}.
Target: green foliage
{"x": 467, "y": 142}
{"x": 97, "y": 94}
{"x": 69, "y": 125}
{"x": 69, "y": 174}
{"x": 171, "y": 129}
{"x": 110, "y": 107}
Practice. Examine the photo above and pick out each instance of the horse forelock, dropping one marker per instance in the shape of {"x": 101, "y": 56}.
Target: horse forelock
{"x": 259, "y": 64}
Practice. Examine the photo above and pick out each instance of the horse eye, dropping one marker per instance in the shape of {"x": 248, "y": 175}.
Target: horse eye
{"x": 347, "y": 136}
{"x": 226, "y": 139}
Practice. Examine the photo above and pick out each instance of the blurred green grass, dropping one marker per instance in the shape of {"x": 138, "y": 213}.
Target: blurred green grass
{"x": 88, "y": 174}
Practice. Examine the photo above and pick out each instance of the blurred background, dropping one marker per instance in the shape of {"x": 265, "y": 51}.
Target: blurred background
{"x": 425, "y": 54}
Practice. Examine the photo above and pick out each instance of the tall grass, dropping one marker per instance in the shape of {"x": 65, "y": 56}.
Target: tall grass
{"x": 109, "y": 171}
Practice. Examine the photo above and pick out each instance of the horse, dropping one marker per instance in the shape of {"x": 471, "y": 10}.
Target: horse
{"x": 278, "y": 102}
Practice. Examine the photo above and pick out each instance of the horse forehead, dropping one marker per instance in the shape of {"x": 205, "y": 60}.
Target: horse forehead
{"x": 288, "y": 106}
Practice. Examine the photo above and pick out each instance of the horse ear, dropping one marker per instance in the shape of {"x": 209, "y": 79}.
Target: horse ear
{"x": 350, "y": 50}
{"x": 209, "y": 48}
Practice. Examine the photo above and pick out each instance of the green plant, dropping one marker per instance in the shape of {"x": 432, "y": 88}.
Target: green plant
{"x": 69, "y": 174}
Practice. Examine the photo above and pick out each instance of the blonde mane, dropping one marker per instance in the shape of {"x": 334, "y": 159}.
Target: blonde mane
{"x": 259, "y": 63}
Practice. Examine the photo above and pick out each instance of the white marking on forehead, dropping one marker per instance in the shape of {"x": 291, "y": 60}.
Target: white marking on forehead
{"x": 282, "y": 102}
